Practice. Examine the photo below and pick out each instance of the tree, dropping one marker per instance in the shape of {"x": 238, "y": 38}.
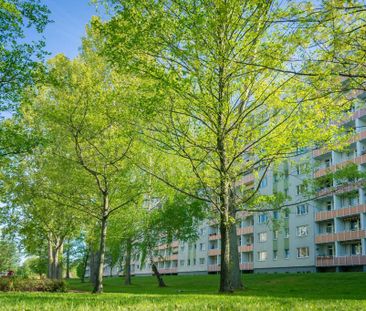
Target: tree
{"x": 31, "y": 212}
{"x": 19, "y": 58}
{"x": 85, "y": 108}
{"x": 341, "y": 40}
{"x": 8, "y": 254}
{"x": 233, "y": 97}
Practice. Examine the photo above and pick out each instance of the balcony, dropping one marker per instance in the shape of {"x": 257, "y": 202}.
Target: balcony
{"x": 213, "y": 268}
{"x": 165, "y": 246}
{"x": 168, "y": 271}
{"x": 246, "y": 266}
{"x": 245, "y": 230}
{"x": 340, "y": 236}
{"x": 326, "y": 261}
{"x": 243, "y": 266}
{"x": 246, "y": 248}
{"x": 331, "y": 169}
{"x": 319, "y": 152}
{"x": 326, "y": 192}
{"x": 214, "y": 236}
{"x": 342, "y": 212}
{"x": 214, "y": 252}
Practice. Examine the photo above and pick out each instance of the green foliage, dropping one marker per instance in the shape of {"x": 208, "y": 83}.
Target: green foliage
{"x": 32, "y": 285}
{"x": 19, "y": 58}
{"x": 8, "y": 255}
{"x": 35, "y": 265}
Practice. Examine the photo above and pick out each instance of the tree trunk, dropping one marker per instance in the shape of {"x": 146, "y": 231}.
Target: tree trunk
{"x": 98, "y": 286}
{"x": 128, "y": 262}
{"x": 226, "y": 275}
{"x": 50, "y": 258}
{"x": 157, "y": 274}
{"x": 93, "y": 265}
{"x": 68, "y": 261}
{"x": 60, "y": 262}
{"x": 55, "y": 262}
{"x": 85, "y": 264}
{"x": 234, "y": 259}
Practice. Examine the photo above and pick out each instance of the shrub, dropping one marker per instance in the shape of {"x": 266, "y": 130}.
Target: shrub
{"x": 31, "y": 285}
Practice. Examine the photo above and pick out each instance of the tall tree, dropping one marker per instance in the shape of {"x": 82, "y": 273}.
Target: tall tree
{"x": 230, "y": 103}
{"x": 85, "y": 108}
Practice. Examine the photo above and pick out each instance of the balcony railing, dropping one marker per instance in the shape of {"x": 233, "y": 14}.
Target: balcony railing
{"x": 340, "y": 236}
{"x": 324, "y": 261}
{"x": 245, "y": 230}
{"x": 168, "y": 271}
{"x": 340, "y": 189}
{"x": 345, "y": 211}
{"x": 239, "y": 231}
{"x": 214, "y": 252}
{"x": 246, "y": 248}
{"x": 331, "y": 169}
{"x": 243, "y": 266}
{"x": 246, "y": 266}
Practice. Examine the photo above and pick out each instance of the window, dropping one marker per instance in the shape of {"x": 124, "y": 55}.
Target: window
{"x": 302, "y": 230}
{"x": 202, "y": 261}
{"x": 182, "y": 248}
{"x": 188, "y": 262}
{"x": 202, "y": 247}
{"x": 181, "y": 263}
{"x": 328, "y": 162}
{"x": 287, "y": 232}
{"x": 276, "y": 215}
{"x": 355, "y": 249}
{"x": 194, "y": 261}
{"x": 300, "y": 189}
{"x": 262, "y": 237}
{"x": 330, "y": 250}
{"x": 301, "y": 168}
{"x": 262, "y": 256}
{"x": 302, "y": 252}
{"x": 329, "y": 228}
{"x": 274, "y": 255}
{"x": 302, "y": 209}
{"x": 354, "y": 225}
{"x": 287, "y": 213}
{"x": 201, "y": 231}
{"x": 328, "y": 205}
{"x": 263, "y": 183}
{"x": 287, "y": 253}
{"x": 262, "y": 218}
{"x": 275, "y": 234}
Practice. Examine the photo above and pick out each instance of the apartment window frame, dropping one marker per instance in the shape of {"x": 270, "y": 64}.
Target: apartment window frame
{"x": 301, "y": 255}
{"x": 262, "y": 218}
{"x": 302, "y": 209}
{"x": 287, "y": 253}
{"x": 262, "y": 237}
{"x": 262, "y": 255}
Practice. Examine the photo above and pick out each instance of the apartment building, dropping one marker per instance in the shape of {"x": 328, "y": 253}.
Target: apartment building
{"x": 327, "y": 233}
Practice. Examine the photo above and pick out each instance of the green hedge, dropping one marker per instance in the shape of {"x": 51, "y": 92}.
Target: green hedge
{"x": 8, "y": 284}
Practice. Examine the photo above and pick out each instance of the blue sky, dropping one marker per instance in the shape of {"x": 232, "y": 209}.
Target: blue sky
{"x": 69, "y": 20}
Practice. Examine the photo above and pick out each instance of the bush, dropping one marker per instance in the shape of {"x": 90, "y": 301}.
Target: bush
{"x": 31, "y": 285}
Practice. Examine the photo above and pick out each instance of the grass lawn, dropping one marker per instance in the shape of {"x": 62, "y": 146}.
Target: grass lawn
{"x": 328, "y": 291}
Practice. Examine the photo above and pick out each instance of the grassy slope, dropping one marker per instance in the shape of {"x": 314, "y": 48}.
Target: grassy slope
{"x": 345, "y": 291}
